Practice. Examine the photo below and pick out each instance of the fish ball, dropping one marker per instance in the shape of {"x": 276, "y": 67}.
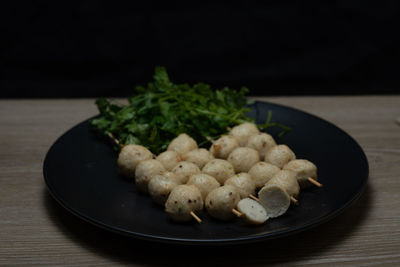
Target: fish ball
{"x": 288, "y": 181}
{"x": 200, "y": 157}
{"x": 219, "y": 169}
{"x": 274, "y": 199}
{"x": 253, "y": 211}
{"x": 243, "y": 131}
{"x": 243, "y": 183}
{"x": 182, "y": 200}
{"x": 145, "y": 170}
{"x": 262, "y": 172}
{"x": 184, "y": 170}
{"x": 204, "y": 182}
{"x": 160, "y": 186}
{"x": 304, "y": 169}
{"x": 129, "y": 158}
{"x": 220, "y": 202}
{"x": 243, "y": 158}
{"x": 222, "y": 147}
{"x": 169, "y": 159}
{"x": 182, "y": 144}
{"x": 279, "y": 155}
{"x": 261, "y": 142}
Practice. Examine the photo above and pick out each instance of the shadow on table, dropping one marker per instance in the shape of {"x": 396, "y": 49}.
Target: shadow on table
{"x": 124, "y": 250}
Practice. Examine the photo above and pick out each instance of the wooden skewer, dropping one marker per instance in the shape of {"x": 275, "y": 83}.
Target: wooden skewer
{"x": 254, "y": 197}
{"x": 311, "y": 180}
{"x": 115, "y": 140}
{"x": 196, "y": 217}
{"x": 295, "y": 201}
{"x": 237, "y": 213}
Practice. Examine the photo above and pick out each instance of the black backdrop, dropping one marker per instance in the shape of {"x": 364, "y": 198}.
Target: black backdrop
{"x": 91, "y": 48}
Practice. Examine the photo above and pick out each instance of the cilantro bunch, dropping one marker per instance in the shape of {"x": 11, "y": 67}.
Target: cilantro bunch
{"x": 162, "y": 110}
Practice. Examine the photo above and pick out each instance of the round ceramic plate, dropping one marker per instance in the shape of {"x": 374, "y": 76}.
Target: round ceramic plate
{"x": 80, "y": 171}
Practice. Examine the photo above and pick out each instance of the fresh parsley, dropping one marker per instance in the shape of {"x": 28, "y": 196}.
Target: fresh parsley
{"x": 162, "y": 110}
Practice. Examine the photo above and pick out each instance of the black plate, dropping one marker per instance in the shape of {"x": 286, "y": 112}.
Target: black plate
{"x": 81, "y": 173}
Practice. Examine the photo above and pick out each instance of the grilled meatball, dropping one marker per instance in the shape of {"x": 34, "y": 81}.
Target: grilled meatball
{"x": 182, "y": 200}
{"x": 288, "y": 181}
{"x": 274, "y": 199}
{"x": 243, "y": 158}
{"x": 220, "y": 202}
{"x": 129, "y": 158}
{"x": 261, "y": 142}
{"x": 222, "y": 147}
{"x": 304, "y": 169}
{"x": 279, "y": 155}
{"x": 262, "y": 172}
{"x": 184, "y": 170}
{"x": 253, "y": 211}
{"x": 219, "y": 169}
{"x": 160, "y": 186}
{"x": 199, "y": 157}
{"x": 145, "y": 170}
{"x": 182, "y": 144}
{"x": 204, "y": 182}
{"x": 243, "y": 183}
{"x": 169, "y": 159}
{"x": 243, "y": 131}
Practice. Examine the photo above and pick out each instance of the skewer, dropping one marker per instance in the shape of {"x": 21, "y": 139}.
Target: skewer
{"x": 209, "y": 139}
{"x": 196, "y": 217}
{"x": 295, "y": 201}
{"x": 254, "y": 197}
{"x": 115, "y": 140}
{"x": 237, "y": 213}
{"x": 311, "y": 180}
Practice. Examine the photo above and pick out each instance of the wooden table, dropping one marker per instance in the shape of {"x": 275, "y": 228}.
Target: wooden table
{"x": 35, "y": 230}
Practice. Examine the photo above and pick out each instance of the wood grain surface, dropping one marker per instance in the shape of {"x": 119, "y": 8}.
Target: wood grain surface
{"x": 36, "y": 231}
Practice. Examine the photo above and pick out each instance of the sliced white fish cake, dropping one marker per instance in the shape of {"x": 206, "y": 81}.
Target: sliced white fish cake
{"x": 253, "y": 211}
{"x": 274, "y": 199}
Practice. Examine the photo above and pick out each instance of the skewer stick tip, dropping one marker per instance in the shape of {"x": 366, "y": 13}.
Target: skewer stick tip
{"x": 196, "y": 217}
{"x": 311, "y": 180}
{"x": 237, "y": 213}
{"x": 295, "y": 201}
{"x": 254, "y": 197}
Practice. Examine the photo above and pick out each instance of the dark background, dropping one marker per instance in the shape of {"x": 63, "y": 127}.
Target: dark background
{"x": 90, "y": 48}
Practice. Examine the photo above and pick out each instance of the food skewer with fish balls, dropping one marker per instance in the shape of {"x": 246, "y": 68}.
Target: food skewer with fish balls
{"x": 182, "y": 144}
{"x": 262, "y": 172}
{"x": 306, "y": 172}
{"x": 288, "y": 181}
{"x": 199, "y": 156}
{"x": 222, "y": 147}
{"x": 184, "y": 170}
{"x": 261, "y": 142}
{"x": 130, "y": 156}
{"x": 160, "y": 186}
{"x": 243, "y": 158}
{"x": 279, "y": 155}
{"x": 242, "y": 132}
{"x": 184, "y": 203}
{"x": 144, "y": 172}
{"x": 243, "y": 183}
{"x": 221, "y": 202}
{"x": 169, "y": 159}
{"x": 220, "y": 169}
